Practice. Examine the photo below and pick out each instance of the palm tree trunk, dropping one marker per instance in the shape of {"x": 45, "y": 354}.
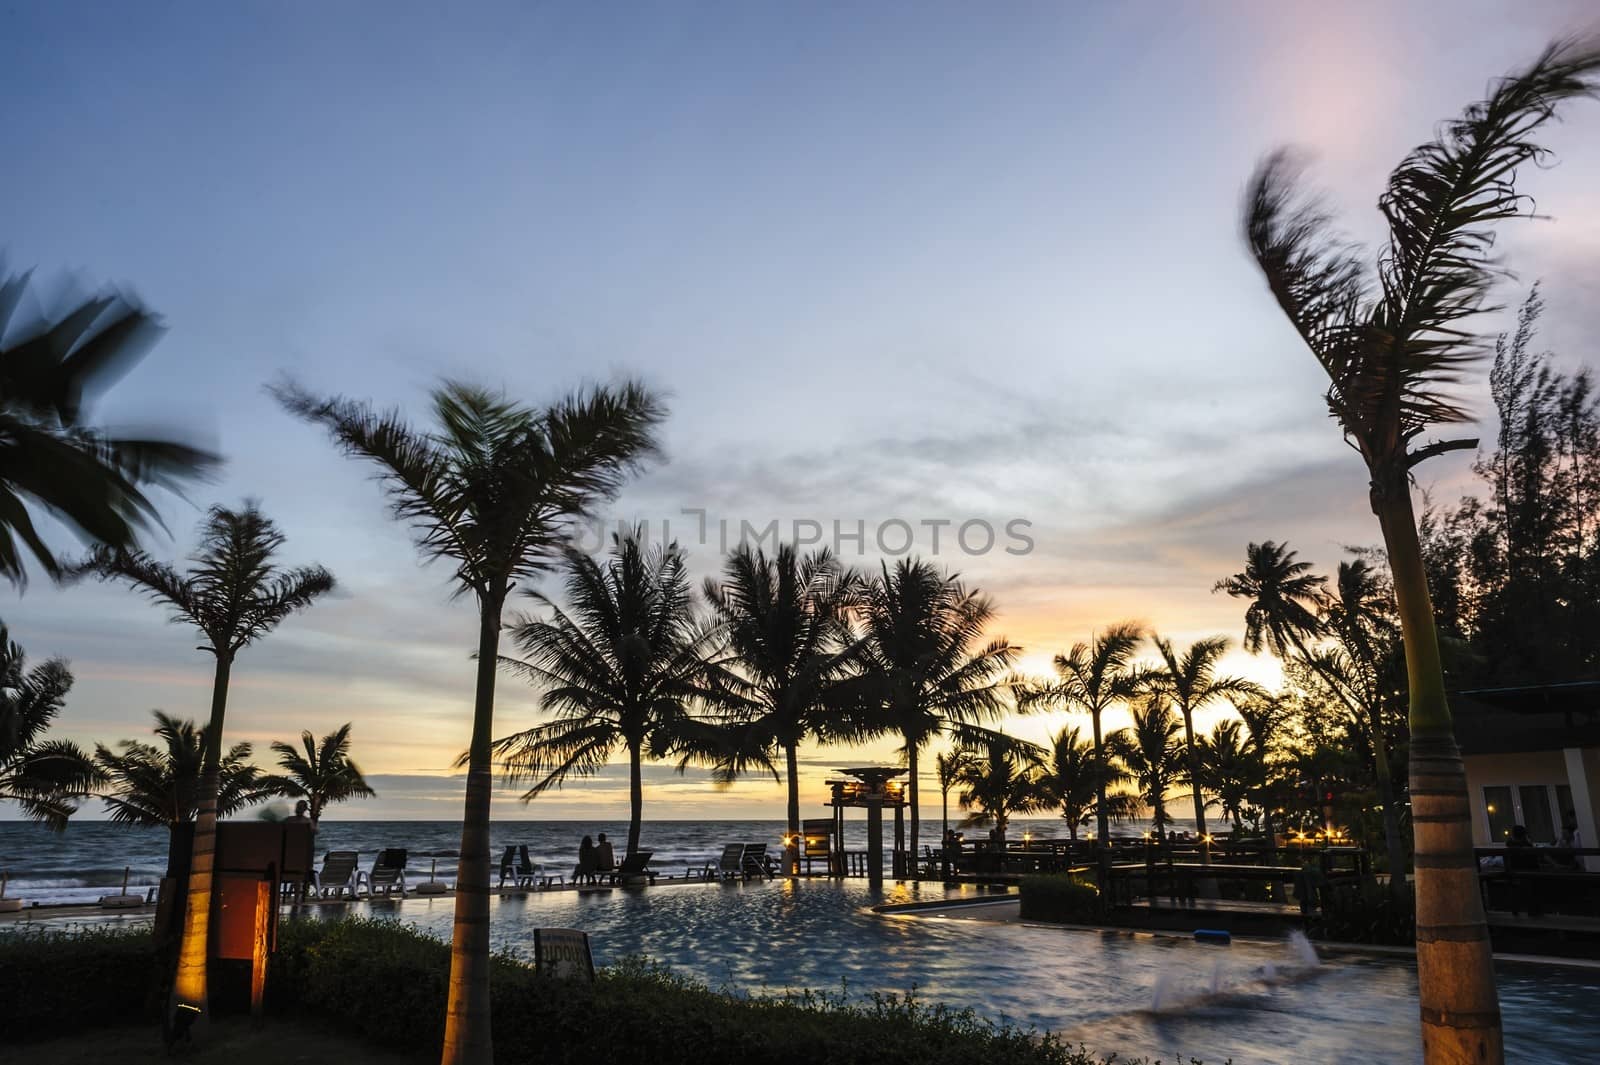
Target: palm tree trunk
{"x": 791, "y": 853}
{"x": 189, "y": 988}
{"x": 635, "y": 798}
{"x": 468, "y": 1038}
{"x": 1194, "y": 781}
{"x": 911, "y": 763}
{"x": 1455, "y": 967}
{"x": 1103, "y": 823}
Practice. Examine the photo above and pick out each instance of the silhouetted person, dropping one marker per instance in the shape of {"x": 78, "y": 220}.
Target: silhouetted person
{"x": 1520, "y": 858}
{"x": 604, "y": 858}
{"x": 588, "y": 857}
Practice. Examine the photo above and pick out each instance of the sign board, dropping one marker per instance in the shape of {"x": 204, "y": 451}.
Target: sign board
{"x": 563, "y": 954}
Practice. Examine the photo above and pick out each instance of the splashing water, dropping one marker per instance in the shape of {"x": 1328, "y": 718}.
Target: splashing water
{"x": 1304, "y": 953}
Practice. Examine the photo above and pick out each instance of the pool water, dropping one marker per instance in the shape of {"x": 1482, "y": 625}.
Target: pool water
{"x": 1129, "y": 993}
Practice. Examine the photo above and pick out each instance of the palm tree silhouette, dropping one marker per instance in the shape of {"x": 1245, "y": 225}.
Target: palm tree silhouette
{"x": 494, "y": 488}
{"x": 619, "y": 667}
{"x": 319, "y": 771}
{"x": 1232, "y": 767}
{"x": 785, "y": 619}
{"x": 90, "y": 480}
{"x": 1393, "y": 342}
{"x": 1151, "y": 750}
{"x": 1092, "y": 678}
{"x": 1002, "y": 778}
{"x": 1190, "y": 681}
{"x": 41, "y": 776}
{"x": 146, "y": 784}
{"x": 922, "y": 668}
{"x": 1075, "y": 777}
{"x": 948, "y": 767}
{"x": 1284, "y": 595}
{"x": 233, "y": 594}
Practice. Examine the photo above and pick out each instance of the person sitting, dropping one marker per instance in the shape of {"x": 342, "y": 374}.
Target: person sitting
{"x": 588, "y": 860}
{"x": 605, "y": 861}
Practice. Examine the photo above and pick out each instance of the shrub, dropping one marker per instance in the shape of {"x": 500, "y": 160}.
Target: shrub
{"x": 53, "y": 982}
{"x": 1060, "y": 897}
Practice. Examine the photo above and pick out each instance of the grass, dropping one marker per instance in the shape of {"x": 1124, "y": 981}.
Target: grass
{"x": 235, "y": 1041}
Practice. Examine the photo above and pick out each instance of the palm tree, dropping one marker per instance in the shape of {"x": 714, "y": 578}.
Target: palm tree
{"x": 922, "y": 669}
{"x": 1092, "y": 678}
{"x": 1233, "y": 768}
{"x": 234, "y": 595}
{"x": 785, "y": 621}
{"x": 948, "y": 767}
{"x": 1002, "y": 780}
{"x": 160, "y": 786}
{"x": 51, "y": 456}
{"x": 319, "y": 771}
{"x": 1392, "y": 350}
{"x": 619, "y": 667}
{"x": 1263, "y": 716}
{"x": 1357, "y": 669}
{"x": 1151, "y": 750}
{"x": 494, "y": 488}
{"x": 1284, "y": 599}
{"x": 1075, "y": 777}
{"x": 1190, "y": 681}
{"x": 41, "y": 776}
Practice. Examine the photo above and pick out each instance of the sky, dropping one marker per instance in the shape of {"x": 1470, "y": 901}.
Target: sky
{"x": 889, "y": 263}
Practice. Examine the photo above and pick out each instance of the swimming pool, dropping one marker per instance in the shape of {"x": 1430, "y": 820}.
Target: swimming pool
{"x": 1132, "y": 994}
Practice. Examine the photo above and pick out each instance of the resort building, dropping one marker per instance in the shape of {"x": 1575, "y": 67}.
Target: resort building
{"x": 1532, "y": 758}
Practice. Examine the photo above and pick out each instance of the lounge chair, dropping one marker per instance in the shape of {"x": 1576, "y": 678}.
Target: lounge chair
{"x": 338, "y": 874}
{"x": 731, "y": 864}
{"x": 517, "y": 867}
{"x": 755, "y": 861}
{"x": 633, "y": 866}
{"x": 388, "y": 873}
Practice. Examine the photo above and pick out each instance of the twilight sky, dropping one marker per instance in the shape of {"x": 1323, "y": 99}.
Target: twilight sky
{"x": 908, "y": 262}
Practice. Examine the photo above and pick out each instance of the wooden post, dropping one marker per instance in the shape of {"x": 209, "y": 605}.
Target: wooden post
{"x": 900, "y": 858}
{"x": 875, "y": 839}
{"x": 262, "y": 942}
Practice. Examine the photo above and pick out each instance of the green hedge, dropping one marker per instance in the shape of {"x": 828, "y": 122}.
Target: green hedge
{"x": 1061, "y": 898}
{"x": 55, "y": 982}
{"x": 388, "y": 982}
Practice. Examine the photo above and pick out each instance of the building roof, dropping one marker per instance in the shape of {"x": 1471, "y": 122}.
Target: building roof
{"x": 1529, "y": 717}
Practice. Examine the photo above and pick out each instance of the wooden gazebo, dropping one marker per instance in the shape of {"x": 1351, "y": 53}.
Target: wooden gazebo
{"x": 871, "y": 788}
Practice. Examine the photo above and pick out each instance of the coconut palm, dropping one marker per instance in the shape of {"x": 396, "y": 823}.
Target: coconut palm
{"x": 619, "y": 667}
{"x": 1075, "y": 777}
{"x": 1092, "y": 678}
{"x": 923, "y": 668}
{"x": 146, "y": 784}
{"x": 999, "y": 780}
{"x": 494, "y": 488}
{"x": 92, "y": 481}
{"x": 233, "y": 595}
{"x": 948, "y": 767}
{"x": 319, "y": 771}
{"x": 785, "y": 621}
{"x": 41, "y": 776}
{"x": 1284, "y": 596}
{"x": 1263, "y": 716}
{"x": 1393, "y": 342}
{"x": 1191, "y": 682}
{"x": 1232, "y": 767}
{"x": 1153, "y": 753}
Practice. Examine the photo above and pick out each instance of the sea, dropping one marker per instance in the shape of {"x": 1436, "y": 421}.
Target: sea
{"x": 90, "y": 858}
